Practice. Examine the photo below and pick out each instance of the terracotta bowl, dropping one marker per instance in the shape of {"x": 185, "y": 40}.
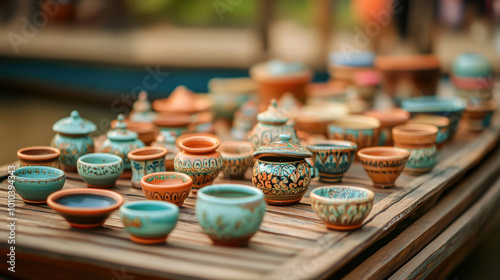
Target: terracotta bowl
{"x": 85, "y": 208}
{"x": 35, "y": 183}
{"x": 388, "y": 119}
{"x": 442, "y": 123}
{"x": 237, "y": 158}
{"x": 39, "y": 156}
{"x": 361, "y": 130}
{"x": 171, "y": 187}
{"x": 383, "y": 164}
{"x": 331, "y": 204}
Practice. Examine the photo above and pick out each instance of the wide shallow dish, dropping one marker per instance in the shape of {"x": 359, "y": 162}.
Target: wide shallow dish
{"x": 85, "y": 208}
{"x": 100, "y": 170}
{"x": 342, "y": 207}
{"x": 35, "y": 183}
{"x": 171, "y": 187}
{"x": 237, "y": 158}
{"x": 230, "y": 214}
{"x": 383, "y": 164}
{"x": 39, "y": 156}
{"x": 332, "y": 158}
{"x": 149, "y": 222}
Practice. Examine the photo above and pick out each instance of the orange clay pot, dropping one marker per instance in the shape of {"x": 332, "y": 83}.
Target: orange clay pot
{"x": 171, "y": 187}
{"x": 383, "y": 164}
{"x": 39, "y": 156}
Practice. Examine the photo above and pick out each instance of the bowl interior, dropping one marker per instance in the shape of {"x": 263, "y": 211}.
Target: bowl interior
{"x": 383, "y": 153}
{"x": 229, "y": 191}
{"x": 148, "y": 152}
{"x": 84, "y": 200}
{"x": 342, "y": 193}
{"x": 331, "y": 146}
{"x": 37, "y": 172}
{"x": 198, "y": 143}
{"x": 38, "y": 152}
{"x": 167, "y": 180}
{"x": 99, "y": 159}
{"x": 150, "y": 206}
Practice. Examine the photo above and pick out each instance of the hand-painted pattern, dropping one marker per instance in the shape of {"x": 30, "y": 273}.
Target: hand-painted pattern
{"x": 100, "y": 170}
{"x": 72, "y": 148}
{"x": 202, "y": 171}
{"x": 281, "y": 178}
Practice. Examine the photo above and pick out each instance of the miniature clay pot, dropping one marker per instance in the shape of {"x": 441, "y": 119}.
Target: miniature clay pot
{"x": 342, "y": 207}
{"x": 383, "y": 164}
{"x": 230, "y": 214}
{"x": 100, "y": 170}
{"x": 146, "y": 132}
{"x": 171, "y": 187}
{"x": 420, "y": 141}
{"x": 145, "y": 161}
{"x": 39, "y": 156}
{"x": 314, "y": 119}
{"x": 442, "y": 123}
{"x": 182, "y": 101}
{"x": 228, "y": 94}
{"x": 343, "y": 67}
{"x": 478, "y": 116}
{"x": 388, "y": 119}
{"x": 149, "y": 222}
{"x": 332, "y": 158}
{"x": 35, "y": 183}
{"x": 327, "y": 92}
{"x": 176, "y": 124}
{"x": 85, "y": 208}
{"x": 199, "y": 159}
{"x": 281, "y": 171}
{"x": 237, "y": 158}
{"x": 361, "y": 130}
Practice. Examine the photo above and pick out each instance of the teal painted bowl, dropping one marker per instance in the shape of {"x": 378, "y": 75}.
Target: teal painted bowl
{"x": 362, "y": 130}
{"x": 332, "y": 158}
{"x": 342, "y": 207}
{"x": 149, "y": 222}
{"x": 35, "y": 183}
{"x": 230, "y": 214}
{"x": 100, "y": 170}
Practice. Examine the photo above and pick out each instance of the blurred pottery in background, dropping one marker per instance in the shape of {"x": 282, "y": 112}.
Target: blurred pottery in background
{"x": 244, "y": 120}
{"x": 237, "y": 158}
{"x": 100, "y": 170}
{"x": 314, "y": 119}
{"x": 442, "y": 123}
{"x": 388, "y": 119}
{"x": 171, "y": 187}
{"x": 472, "y": 76}
{"x": 478, "y": 116}
{"x": 167, "y": 140}
{"x": 146, "y": 132}
{"x": 228, "y": 94}
{"x": 176, "y": 124}
{"x": 383, "y": 164}
{"x": 182, "y": 101}
{"x": 343, "y": 67}
{"x": 141, "y": 112}
{"x": 332, "y": 158}
{"x": 361, "y": 130}
{"x": 333, "y": 91}
{"x": 39, "y": 156}
{"x": 35, "y": 183}
{"x": 202, "y": 122}
{"x": 145, "y": 161}
{"x": 366, "y": 84}
{"x": 73, "y": 139}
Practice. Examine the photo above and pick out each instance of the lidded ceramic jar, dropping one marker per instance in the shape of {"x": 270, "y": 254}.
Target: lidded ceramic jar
{"x": 281, "y": 171}
{"x": 472, "y": 76}
{"x": 73, "y": 139}
{"x": 271, "y": 124}
{"x": 121, "y": 141}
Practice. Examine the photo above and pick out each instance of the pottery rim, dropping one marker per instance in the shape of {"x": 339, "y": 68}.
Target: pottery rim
{"x": 57, "y": 172}
{"x": 389, "y": 117}
{"x": 438, "y": 121}
{"x": 147, "y": 153}
{"x": 51, "y": 201}
{"x": 415, "y": 130}
{"x": 260, "y": 74}
{"x": 391, "y": 153}
{"x": 486, "y": 106}
{"x": 185, "y": 184}
{"x": 236, "y": 149}
{"x": 254, "y": 194}
{"x": 168, "y": 208}
{"x": 41, "y": 153}
{"x": 116, "y": 158}
{"x": 364, "y": 122}
{"x": 326, "y": 145}
{"x": 187, "y": 135}
{"x": 369, "y": 195}
{"x": 208, "y": 144}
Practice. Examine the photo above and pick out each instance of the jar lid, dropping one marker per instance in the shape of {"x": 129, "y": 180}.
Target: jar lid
{"x": 74, "y": 125}
{"x": 120, "y": 133}
{"x": 282, "y": 148}
{"x": 273, "y": 114}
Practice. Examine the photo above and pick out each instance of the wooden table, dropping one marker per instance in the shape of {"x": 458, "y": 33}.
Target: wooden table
{"x": 412, "y": 230}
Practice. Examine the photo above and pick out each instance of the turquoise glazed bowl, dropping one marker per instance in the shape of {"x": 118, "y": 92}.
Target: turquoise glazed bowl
{"x": 149, "y": 222}
{"x": 100, "y": 170}
{"x": 450, "y": 107}
{"x": 342, "y": 207}
{"x": 230, "y": 214}
{"x": 35, "y": 183}
{"x": 332, "y": 158}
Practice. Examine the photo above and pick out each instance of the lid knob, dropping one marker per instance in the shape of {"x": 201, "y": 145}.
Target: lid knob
{"x": 274, "y": 103}
{"x": 121, "y": 123}
{"x": 285, "y": 137}
{"x": 75, "y": 114}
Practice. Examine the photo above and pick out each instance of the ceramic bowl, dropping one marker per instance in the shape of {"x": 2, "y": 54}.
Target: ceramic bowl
{"x": 85, "y": 208}
{"x": 146, "y": 160}
{"x": 39, "y": 156}
{"x": 332, "y": 158}
{"x": 388, "y": 119}
{"x": 230, "y": 214}
{"x": 442, "y": 123}
{"x": 100, "y": 170}
{"x": 383, "y": 164}
{"x": 478, "y": 116}
{"x": 342, "y": 207}
{"x": 35, "y": 183}
{"x": 361, "y": 130}
{"x": 237, "y": 158}
{"x": 149, "y": 222}
{"x": 171, "y": 187}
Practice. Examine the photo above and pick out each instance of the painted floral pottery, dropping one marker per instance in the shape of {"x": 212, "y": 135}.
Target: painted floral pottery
{"x": 272, "y": 123}
{"x": 406, "y": 76}
{"x": 182, "y": 101}
{"x": 472, "y": 76}
{"x": 281, "y": 171}
{"x": 237, "y": 158}
{"x": 450, "y": 107}
{"x": 145, "y": 161}
{"x": 120, "y": 142}
{"x": 230, "y": 214}
{"x": 388, "y": 119}
{"x": 442, "y": 123}
{"x": 85, "y": 208}
{"x": 149, "y": 222}
{"x": 171, "y": 187}
{"x": 478, "y": 116}
{"x": 343, "y": 67}
{"x": 342, "y": 207}
{"x": 73, "y": 139}
{"x": 332, "y": 158}
{"x": 35, "y": 183}
{"x": 383, "y": 164}
{"x": 176, "y": 124}
{"x": 361, "y": 130}
{"x": 100, "y": 170}
{"x": 276, "y": 78}
{"x": 146, "y": 132}
{"x": 228, "y": 94}
{"x": 420, "y": 141}
{"x": 39, "y": 156}
{"x": 199, "y": 159}
{"x": 326, "y": 92}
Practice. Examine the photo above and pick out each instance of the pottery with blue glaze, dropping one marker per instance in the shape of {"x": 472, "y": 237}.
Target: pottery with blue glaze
{"x": 39, "y": 156}
{"x": 145, "y": 161}
{"x": 332, "y": 158}
{"x": 478, "y": 116}
{"x": 149, "y": 222}
{"x": 171, "y": 187}
{"x": 237, "y": 158}
{"x": 230, "y": 214}
{"x": 442, "y": 123}
{"x": 73, "y": 139}
{"x": 362, "y": 130}
{"x": 472, "y": 76}
{"x": 35, "y": 183}
{"x": 84, "y": 207}
{"x": 343, "y": 66}
{"x": 100, "y": 170}
{"x": 383, "y": 164}
{"x": 342, "y": 207}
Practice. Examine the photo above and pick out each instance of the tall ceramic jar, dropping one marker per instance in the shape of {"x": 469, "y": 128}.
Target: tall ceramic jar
{"x": 73, "y": 139}
{"x": 145, "y": 161}
{"x": 120, "y": 142}
{"x": 272, "y": 123}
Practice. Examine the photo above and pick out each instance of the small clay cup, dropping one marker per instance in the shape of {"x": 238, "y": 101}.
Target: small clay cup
{"x": 100, "y": 170}
{"x": 237, "y": 158}
{"x": 361, "y": 130}
{"x": 39, "y": 156}
{"x": 388, "y": 119}
{"x": 145, "y": 161}
{"x": 170, "y": 187}
{"x": 35, "y": 183}
{"x": 383, "y": 164}
{"x": 478, "y": 116}
{"x": 442, "y": 123}
{"x": 332, "y": 158}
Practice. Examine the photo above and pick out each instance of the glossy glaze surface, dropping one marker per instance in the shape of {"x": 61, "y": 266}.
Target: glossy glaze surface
{"x": 35, "y": 183}
{"x": 171, "y": 187}
{"x": 100, "y": 170}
